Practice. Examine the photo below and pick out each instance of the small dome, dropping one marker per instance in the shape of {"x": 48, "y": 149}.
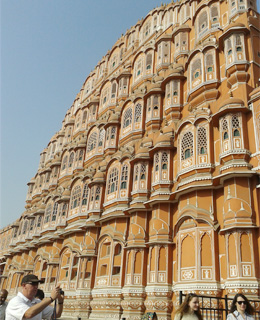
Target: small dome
{"x": 163, "y": 140}
{"x": 231, "y": 101}
{"x": 142, "y": 152}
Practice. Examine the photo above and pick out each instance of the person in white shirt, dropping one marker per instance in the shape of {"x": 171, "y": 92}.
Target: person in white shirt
{"x": 241, "y": 309}
{"x": 3, "y": 304}
{"x": 26, "y": 306}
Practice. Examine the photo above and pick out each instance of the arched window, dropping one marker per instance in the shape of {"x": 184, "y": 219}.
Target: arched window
{"x": 236, "y": 133}
{"x": 75, "y": 197}
{"x": 124, "y": 176}
{"x": 113, "y": 181}
{"x": 127, "y": 118}
{"x": 187, "y": 146}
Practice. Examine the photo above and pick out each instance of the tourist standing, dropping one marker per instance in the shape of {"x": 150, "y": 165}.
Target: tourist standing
{"x": 189, "y": 309}
{"x": 3, "y": 304}
{"x": 26, "y": 306}
{"x": 241, "y": 308}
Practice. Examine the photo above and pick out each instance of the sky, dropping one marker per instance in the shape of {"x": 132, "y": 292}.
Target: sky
{"x": 48, "y": 48}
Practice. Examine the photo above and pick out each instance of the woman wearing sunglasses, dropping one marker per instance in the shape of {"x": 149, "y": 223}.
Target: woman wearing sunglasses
{"x": 189, "y": 309}
{"x": 240, "y": 308}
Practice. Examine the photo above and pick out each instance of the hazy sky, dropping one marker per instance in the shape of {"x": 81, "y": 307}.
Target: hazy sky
{"x": 48, "y": 48}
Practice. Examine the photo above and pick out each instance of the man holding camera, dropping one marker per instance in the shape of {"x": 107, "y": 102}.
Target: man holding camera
{"x": 26, "y": 306}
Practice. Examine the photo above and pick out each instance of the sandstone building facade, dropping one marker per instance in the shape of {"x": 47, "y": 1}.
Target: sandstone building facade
{"x": 152, "y": 184}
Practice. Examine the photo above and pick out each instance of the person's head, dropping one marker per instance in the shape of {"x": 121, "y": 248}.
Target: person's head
{"x": 3, "y": 296}
{"x": 241, "y": 304}
{"x": 150, "y": 316}
{"x": 190, "y": 305}
{"x": 30, "y": 284}
{"x": 40, "y": 294}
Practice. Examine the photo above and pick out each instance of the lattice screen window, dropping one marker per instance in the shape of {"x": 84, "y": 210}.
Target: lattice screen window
{"x": 187, "y": 146}
{"x": 209, "y": 62}
{"x": 238, "y": 43}
{"x": 235, "y": 126}
{"x": 16, "y": 231}
{"x": 85, "y": 194}
{"x": 84, "y": 118}
{"x": 214, "y": 13}
{"x": 101, "y": 137}
{"x": 168, "y": 91}
{"x": 75, "y": 197}
{"x": 166, "y": 51}
{"x": 113, "y": 92}
{"x": 55, "y": 211}
{"x": 32, "y": 224}
{"x": 113, "y": 181}
{"x": 98, "y": 191}
{"x": 64, "y": 162}
{"x": 138, "y": 70}
{"x": 113, "y": 133}
{"x": 143, "y": 172}
{"x": 39, "y": 221}
{"x": 224, "y": 127}
{"x": 124, "y": 177}
{"x": 92, "y": 141}
{"x": 175, "y": 87}
{"x": 47, "y": 213}
{"x": 149, "y": 59}
{"x": 196, "y": 69}
{"x": 156, "y": 161}
{"x": 78, "y": 119}
{"x": 138, "y": 112}
{"x": 136, "y": 172}
{"x": 128, "y": 116}
{"x": 71, "y": 159}
{"x": 81, "y": 152}
{"x": 229, "y": 47}
{"x": 202, "y": 140}
{"x": 64, "y": 210}
{"x": 203, "y": 21}
{"x": 183, "y": 38}
{"x": 164, "y": 162}
{"x": 147, "y": 30}
{"x": 25, "y": 226}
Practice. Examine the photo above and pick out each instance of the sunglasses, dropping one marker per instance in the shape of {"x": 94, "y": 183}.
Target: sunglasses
{"x": 240, "y": 302}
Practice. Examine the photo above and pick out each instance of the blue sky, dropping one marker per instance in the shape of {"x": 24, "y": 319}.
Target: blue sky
{"x": 48, "y": 48}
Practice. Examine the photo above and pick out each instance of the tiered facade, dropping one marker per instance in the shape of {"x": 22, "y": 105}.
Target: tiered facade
{"x": 152, "y": 184}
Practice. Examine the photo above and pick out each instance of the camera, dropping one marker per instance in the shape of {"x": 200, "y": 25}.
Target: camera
{"x": 61, "y": 292}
